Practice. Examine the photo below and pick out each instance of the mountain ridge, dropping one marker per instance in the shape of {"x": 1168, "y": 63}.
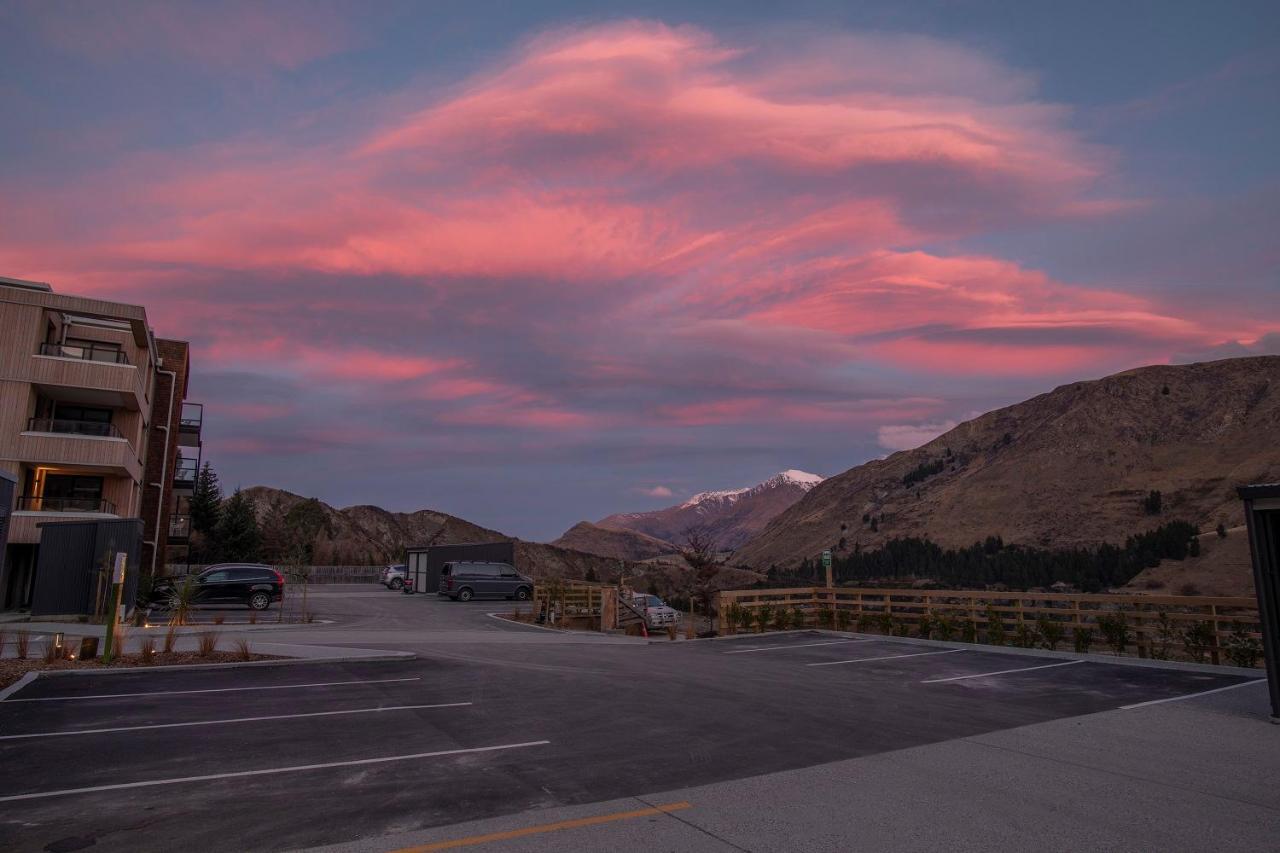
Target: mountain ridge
{"x": 1068, "y": 467}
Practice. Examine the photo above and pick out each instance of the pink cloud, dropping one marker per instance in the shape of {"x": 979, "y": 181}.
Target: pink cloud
{"x": 654, "y": 491}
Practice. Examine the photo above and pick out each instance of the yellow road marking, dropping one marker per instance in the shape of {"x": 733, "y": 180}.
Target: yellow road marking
{"x": 472, "y": 840}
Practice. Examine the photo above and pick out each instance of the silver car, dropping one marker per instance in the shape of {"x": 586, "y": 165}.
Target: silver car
{"x": 393, "y": 576}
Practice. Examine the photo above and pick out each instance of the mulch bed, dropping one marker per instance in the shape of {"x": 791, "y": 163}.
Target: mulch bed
{"x": 11, "y": 669}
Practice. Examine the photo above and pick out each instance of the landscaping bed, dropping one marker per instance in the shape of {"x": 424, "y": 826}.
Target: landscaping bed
{"x": 12, "y": 669}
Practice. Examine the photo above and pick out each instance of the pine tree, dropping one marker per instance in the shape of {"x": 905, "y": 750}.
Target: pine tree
{"x": 206, "y": 501}
{"x": 237, "y": 538}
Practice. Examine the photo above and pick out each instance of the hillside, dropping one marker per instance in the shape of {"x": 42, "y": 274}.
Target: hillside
{"x": 1070, "y": 467}
{"x": 1223, "y": 567}
{"x": 730, "y": 517}
{"x": 370, "y": 535}
{"x": 616, "y": 543}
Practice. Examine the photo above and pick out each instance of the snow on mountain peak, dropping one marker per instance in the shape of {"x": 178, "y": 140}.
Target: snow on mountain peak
{"x": 790, "y": 477}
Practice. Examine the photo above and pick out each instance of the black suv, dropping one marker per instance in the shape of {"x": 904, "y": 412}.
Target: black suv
{"x": 251, "y": 584}
{"x": 463, "y": 581}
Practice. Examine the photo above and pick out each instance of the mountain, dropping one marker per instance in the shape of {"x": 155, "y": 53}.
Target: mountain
{"x": 613, "y": 542}
{"x": 730, "y": 517}
{"x": 1070, "y": 467}
{"x": 370, "y": 535}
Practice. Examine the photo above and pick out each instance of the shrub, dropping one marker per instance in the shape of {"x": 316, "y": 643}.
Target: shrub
{"x": 764, "y": 615}
{"x": 1115, "y": 630}
{"x": 944, "y": 627}
{"x": 1165, "y": 635}
{"x": 207, "y": 643}
{"x": 996, "y": 633}
{"x": 746, "y": 619}
{"x": 182, "y": 600}
{"x": 885, "y": 622}
{"x": 733, "y": 614}
{"x": 1197, "y": 640}
{"x": 1221, "y": 530}
{"x": 866, "y": 622}
{"x": 170, "y": 637}
{"x": 22, "y": 644}
{"x": 1024, "y": 636}
{"x": 924, "y": 628}
{"x": 1052, "y": 632}
{"x": 1082, "y": 639}
{"x": 781, "y": 619}
{"x": 244, "y": 651}
{"x": 901, "y": 630}
{"x": 1153, "y": 502}
{"x": 147, "y": 649}
{"x": 969, "y": 631}
{"x": 1243, "y": 649}
{"x": 826, "y": 617}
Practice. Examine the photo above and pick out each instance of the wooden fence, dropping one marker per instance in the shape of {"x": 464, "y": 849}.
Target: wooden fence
{"x": 907, "y": 607}
{"x": 318, "y": 574}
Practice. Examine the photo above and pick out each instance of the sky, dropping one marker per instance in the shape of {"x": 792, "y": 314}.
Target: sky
{"x": 536, "y": 263}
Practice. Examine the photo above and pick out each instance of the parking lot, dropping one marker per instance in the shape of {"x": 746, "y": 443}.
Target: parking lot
{"x": 286, "y": 757}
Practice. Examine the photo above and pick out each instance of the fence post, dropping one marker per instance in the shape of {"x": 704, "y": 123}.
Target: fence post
{"x": 1213, "y": 652}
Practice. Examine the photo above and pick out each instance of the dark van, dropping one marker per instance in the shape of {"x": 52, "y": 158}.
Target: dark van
{"x": 463, "y": 581}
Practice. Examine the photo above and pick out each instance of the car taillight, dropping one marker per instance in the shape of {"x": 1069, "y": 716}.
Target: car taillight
{"x": 448, "y": 583}
{"x": 279, "y": 577}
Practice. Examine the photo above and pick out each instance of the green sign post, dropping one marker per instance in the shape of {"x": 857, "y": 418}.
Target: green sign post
{"x": 826, "y": 564}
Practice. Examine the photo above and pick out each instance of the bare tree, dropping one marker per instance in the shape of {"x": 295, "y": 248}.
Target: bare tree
{"x": 701, "y": 551}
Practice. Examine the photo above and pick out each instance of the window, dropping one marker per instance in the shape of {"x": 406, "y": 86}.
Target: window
{"x": 87, "y": 414}
{"x": 216, "y": 577}
{"x": 73, "y": 487}
{"x": 92, "y": 350}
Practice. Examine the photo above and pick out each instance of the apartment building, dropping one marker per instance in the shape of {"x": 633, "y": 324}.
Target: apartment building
{"x": 94, "y": 423}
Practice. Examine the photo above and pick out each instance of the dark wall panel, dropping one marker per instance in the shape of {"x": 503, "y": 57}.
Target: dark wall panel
{"x": 72, "y": 557}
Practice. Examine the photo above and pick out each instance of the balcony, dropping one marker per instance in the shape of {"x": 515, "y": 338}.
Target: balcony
{"x": 91, "y": 352}
{"x": 93, "y": 429}
{"x": 179, "y": 528}
{"x": 80, "y": 505}
{"x": 190, "y": 422}
{"x": 184, "y": 474}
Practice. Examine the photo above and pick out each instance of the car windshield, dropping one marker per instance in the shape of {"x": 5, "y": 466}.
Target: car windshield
{"x": 651, "y": 601}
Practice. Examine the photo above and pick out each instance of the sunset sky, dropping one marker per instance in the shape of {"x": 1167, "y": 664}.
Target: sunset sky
{"x": 531, "y": 263}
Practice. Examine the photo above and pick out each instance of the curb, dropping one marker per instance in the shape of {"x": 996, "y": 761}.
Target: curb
{"x": 185, "y": 667}
{"x": 1091, "y": 657}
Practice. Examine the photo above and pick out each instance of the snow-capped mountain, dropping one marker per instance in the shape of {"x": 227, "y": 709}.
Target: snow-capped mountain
{"x": 732, "y": 516}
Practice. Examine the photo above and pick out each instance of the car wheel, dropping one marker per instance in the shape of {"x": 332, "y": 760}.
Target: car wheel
{"x": 397, "y": 583}
{"x": 259, "y": 601}
{"x": 464, "y": 594}
{"x": 522, "y": 594}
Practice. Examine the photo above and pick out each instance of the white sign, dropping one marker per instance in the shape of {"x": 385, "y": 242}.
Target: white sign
{"x": 117, "y": 576}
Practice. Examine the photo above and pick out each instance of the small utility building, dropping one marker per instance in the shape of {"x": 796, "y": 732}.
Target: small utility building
{"x": 425, "y": 561}
{"x": 1262, "y": 513}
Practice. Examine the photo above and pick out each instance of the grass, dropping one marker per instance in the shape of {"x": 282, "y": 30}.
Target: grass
{"x": 207, "y": 643}
{"x": 170, "y": 638}
{"x": 147, "y": 649}
{"x": 22, "y": 645}
{"x": 244, "y": 649}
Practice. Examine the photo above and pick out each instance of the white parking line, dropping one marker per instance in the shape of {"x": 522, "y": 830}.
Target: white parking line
{"x": 887, "y": 657}
{"x": 269, "y": 771}
{"x": 212, "y": 690}
{"x": 1001, "y": 672}
{"x": 1192, "y": 695}
{"x": 233, "y": 720}
{"x": 798, "y": 646}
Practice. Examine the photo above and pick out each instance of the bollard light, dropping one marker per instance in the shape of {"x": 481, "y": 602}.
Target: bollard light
{"x": 57, "y": 642}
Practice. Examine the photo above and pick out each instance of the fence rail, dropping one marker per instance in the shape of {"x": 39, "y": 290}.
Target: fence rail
{"x": 1142, "y": 613}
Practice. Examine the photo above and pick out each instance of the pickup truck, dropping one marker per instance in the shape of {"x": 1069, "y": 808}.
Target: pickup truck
{"x": 657, "y": 614}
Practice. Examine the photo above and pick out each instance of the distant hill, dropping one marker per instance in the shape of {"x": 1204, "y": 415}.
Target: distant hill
{"x": 1224, "y": 567}
{"x": 731, "y": 517}
{"x": 1070, "y": 467}
{"x": 371, "y": 535}
{"x": 613, "y": 542}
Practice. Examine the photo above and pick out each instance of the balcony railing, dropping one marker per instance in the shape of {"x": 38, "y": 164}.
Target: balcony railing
{"x": 179, "y": 526}
{"x": 192, "y": 417}
{"x": 43, "y": 504}
{"x": 185, "y": 472}
{"x": 59, "y": 425}
{"x": 90, "y": 352}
